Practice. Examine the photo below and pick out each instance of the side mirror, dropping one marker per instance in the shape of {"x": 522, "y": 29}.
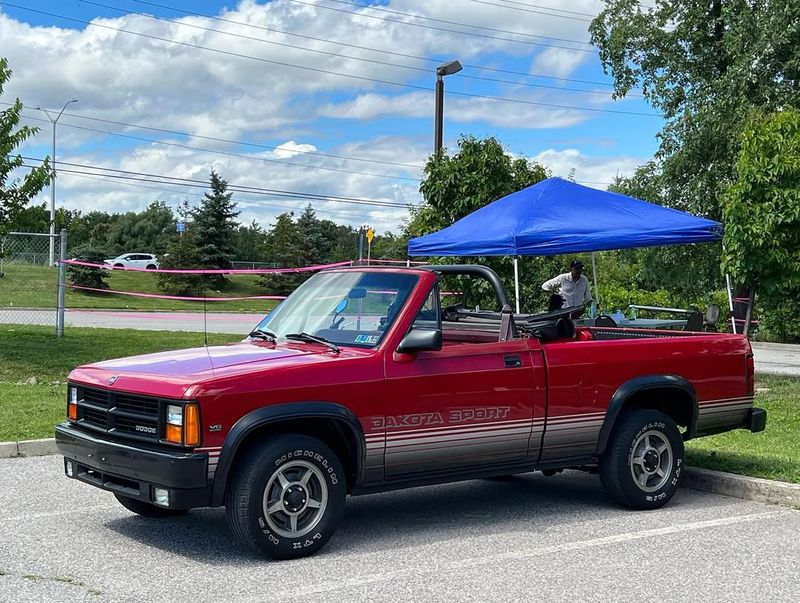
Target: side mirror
{"x": 418, "y": 340}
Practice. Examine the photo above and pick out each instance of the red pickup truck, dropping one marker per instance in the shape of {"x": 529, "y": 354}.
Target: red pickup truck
{"x": 361, "y": 381}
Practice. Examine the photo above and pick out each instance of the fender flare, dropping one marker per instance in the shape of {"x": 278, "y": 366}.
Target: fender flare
{"x": 275, "y": 413}
{"x": 640, "y": 384}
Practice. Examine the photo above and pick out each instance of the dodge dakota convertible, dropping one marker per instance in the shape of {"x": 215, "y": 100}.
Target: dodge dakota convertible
{"x": 364, "y": 380}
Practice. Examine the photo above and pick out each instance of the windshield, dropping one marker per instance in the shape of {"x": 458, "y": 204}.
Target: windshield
{"x": 348, "y": 308}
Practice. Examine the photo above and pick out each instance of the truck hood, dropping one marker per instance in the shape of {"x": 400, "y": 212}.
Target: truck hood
{"x": 170, "y": 373}
{"x": 195, "y": 361}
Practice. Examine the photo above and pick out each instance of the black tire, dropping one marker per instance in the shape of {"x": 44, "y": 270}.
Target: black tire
{"x": 146, "y": 509}
{"x": 150, "y": 267}
{"x": 643, "y": 461}
{"x": 256, "y": 482}
{"x": 119, "y": 265}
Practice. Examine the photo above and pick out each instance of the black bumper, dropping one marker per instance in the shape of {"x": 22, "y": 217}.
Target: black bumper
{"x": 756, "y": 420}
{"x": 134, "y": 472}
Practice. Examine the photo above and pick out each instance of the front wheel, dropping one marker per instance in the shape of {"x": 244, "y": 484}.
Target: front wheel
{"x": 642, "y": 465}
{"x": 287, "y": 497}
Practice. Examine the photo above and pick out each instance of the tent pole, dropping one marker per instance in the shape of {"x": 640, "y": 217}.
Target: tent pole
{"x": 730, "y": 301}
{"x": 594, "y": 275}
{"x": 516, "y": 282}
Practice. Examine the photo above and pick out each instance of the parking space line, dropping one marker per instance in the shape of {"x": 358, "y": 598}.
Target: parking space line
{"x": 470, "y": 562}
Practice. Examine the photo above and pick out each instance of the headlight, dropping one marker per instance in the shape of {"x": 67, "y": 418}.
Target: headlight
{"x": 183, "y": 424}
{"x": 72, "y": 403}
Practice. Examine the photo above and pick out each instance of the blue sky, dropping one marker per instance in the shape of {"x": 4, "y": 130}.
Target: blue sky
{"x": 321, "y": 132}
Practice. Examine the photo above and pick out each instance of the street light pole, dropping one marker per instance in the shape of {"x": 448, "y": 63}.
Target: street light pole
{"x": 53, "y": 180}
{"x": 441, "y": 71}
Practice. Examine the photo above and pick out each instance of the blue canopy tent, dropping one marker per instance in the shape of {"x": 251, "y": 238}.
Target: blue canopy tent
{"x": 556, "y": 216}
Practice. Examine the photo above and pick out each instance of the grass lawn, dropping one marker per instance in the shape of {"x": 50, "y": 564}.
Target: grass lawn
{"x": 27, "y": 285}
{"x": 771, "y": 454}
{"x": 31, "y": 410}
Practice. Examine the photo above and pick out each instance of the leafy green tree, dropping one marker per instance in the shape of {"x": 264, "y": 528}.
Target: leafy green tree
{"x": 762, "y": 210}
{"x": 284, "y": 250}
{"x": 145, "y": 231}
{"x": 214, "y": 223}
{"x": 480, "y": 172}
{"x": 15, "y": 194}
{"x": 703, "y": 65}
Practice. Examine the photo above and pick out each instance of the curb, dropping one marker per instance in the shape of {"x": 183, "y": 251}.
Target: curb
{"x": 43, "y": 447}
{"x": 742, "y": 486}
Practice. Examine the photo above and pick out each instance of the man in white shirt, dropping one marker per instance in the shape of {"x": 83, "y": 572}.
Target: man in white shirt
{"x": 572, "y": 286}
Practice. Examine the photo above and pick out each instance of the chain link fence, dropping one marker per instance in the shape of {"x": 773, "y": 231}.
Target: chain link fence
{"x": 29, "y": 284}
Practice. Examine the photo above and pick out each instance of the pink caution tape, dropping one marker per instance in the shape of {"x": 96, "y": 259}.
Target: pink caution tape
{"x": 216, "y": 271}
{"x": 177, "y": 297}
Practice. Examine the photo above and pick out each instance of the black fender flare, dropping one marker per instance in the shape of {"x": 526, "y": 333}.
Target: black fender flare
{"x": 640, "y": 384}
{"x": 275, "y": 413}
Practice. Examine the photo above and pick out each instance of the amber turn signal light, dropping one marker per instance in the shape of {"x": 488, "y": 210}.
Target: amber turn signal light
{"x": 72, "y": 411}
{"x": 174, "y": 434}
{"x": 191, "y": 425}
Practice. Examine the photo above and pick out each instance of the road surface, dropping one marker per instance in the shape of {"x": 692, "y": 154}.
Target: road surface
{"x": 529, "y": 538}
{"x": 215, "y": 322}
{"x": 770, "y": 358}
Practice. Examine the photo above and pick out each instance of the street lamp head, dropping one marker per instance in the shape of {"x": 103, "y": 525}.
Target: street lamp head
{"x": 449, "y": 68}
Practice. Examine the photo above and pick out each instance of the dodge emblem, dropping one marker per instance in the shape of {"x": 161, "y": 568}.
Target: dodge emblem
{"x": 112, "y": 379}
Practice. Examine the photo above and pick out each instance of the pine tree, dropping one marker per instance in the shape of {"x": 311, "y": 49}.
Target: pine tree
{"x": 215, "y": 228}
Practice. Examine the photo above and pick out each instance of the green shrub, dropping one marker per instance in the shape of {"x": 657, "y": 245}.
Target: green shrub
{"x": 83, "y": 276}
{"x": 181, "y": 255}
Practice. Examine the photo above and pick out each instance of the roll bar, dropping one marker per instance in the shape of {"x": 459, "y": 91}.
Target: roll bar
{"x": 475, "y": 270}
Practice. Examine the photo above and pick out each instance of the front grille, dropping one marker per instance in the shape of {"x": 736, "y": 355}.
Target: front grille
{"x": 138, "y": 404}
{"x": 127, "y": 415}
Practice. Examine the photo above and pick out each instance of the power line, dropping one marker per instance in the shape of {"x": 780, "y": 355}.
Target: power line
{"x": 329, "y": 72}
{"x": 189, "y": 182}
{"x": 340, "y": 55}
{"x": 537, "y": 12}
{"x": 214, "y": 151}
{"x": 560, "y": 10}
{"x": 379, "y": 50}
{"x": 345, "y": 215}
{"x": 444, "y": 29}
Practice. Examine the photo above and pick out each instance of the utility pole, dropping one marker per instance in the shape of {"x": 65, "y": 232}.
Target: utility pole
{"x": 53, "y": 180}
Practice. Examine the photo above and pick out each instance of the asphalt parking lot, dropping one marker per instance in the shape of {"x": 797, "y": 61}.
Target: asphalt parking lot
{"x": 526, "y": 538}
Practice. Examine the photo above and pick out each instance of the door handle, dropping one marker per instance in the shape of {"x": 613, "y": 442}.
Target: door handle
{"x": 512, "y": 361}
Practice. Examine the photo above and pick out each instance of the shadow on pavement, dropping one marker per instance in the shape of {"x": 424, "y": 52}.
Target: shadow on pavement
{"x": 395, "y": 520}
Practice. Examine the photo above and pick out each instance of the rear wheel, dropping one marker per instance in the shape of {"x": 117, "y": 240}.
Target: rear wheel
{"x": 150, "y": 267}
{"x": 146, "y": 509}
{"x": 287, "y": 497}
{"x": 642, "y": 465}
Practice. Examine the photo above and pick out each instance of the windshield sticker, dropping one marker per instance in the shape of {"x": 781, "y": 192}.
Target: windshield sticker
{"x": 370, "y": 339}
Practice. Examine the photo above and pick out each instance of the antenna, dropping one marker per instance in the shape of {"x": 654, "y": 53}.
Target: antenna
{"x": 205, "y": 320}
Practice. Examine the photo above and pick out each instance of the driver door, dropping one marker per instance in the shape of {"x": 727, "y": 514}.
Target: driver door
{"x": 469, "y": 404}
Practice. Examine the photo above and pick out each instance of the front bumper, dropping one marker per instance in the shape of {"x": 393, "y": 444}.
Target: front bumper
{"x": 134, "y": 472}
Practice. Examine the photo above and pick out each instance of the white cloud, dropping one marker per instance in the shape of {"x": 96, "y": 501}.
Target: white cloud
{"x": 291, "y": 149}
{"x": 459, "y": 109}
{"x": 558, "y": 62}
{"x": 592, "y": 170}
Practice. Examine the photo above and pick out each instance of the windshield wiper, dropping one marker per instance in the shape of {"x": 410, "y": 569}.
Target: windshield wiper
{"x": 264, "y": 334}
{"x": 313, "y": 339}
